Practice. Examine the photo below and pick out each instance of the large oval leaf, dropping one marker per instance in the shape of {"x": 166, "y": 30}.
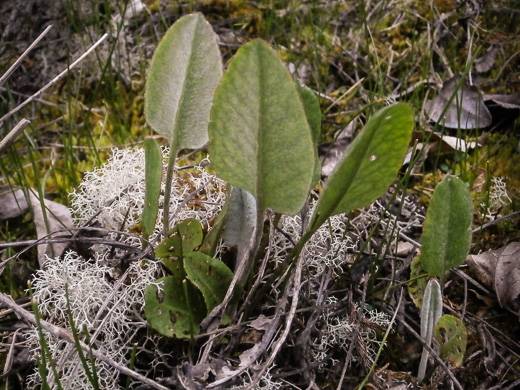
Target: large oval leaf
{"x": 369, "y": 165}
{"x": 185, "y": 71}
{"x": 260, "y": 139}
{"x": 446, "y": 233}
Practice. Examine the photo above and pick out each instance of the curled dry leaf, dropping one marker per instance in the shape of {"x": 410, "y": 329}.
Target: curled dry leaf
{"x": 486, "y": 61}
{"x": 510, "y": 102}
{"x": 331, "y": 153}
{"x": 500, "y": 269}
{"x": 465, "y": 111}
{"x": 55, "y": 217}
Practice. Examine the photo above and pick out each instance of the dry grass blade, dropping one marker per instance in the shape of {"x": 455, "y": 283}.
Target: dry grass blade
{"x": 20, "y": 59}
{"x": 54, "y": 80}
{"x": 11, "y": 136}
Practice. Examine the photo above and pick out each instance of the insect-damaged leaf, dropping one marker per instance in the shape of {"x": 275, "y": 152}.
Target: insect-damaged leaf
{"x": 153, "y": 175}
{"x": 260, "y": 139}
{"x": 185, "y": 71}
{"x": 182, "y": 238}
{"x": 211, "y": 276}
{"x": 418, "y": 281}
{"x": 369, "y": 165}
{"x": 174, "y": 309}
{"x": 447, "y": 229}
{"x": 452, "y": 335}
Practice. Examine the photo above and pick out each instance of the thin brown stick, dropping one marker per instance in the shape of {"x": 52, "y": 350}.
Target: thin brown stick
{"x": 17, "y": 63}
{"x": 53, "y": 81}
{"x": 11, "y": 136}
{"x": 65, "y": 335}
{"x": 432, "y": 353}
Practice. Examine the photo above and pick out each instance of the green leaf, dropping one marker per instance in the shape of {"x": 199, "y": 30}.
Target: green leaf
{"x": 369, "y": 165}
{"x": 185, "y": 71}
{"x": 452, "y": 336}
{"x": 311, "y": 105}
{"x": 446, "y": 233}
{"x": 418, "y": 281}
{"x": 431, "y": 311}
{"x": 212, "y": 239}
{"x": 153, "y": 176}
{"x": 172, "y": 312}
{"x": 211, "y": 276}
{"x": 183, "y": 238}
{"x": 260, "y": 140}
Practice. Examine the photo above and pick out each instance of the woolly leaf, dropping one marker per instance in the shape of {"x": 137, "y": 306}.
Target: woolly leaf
{"x": 260, "y": 140}
{"x": 446, "y": 233}
{"x": 241, "y": 220}
{"x": 185, "y": 71}
{"x": 431, "y": 311}
{"x": 369, "y": 165}
{"x": 153, "y": 177}
{"x": 311, "y": 105}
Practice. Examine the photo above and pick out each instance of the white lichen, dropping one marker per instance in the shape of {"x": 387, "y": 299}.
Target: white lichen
{"x": 114, "y": 194}
{"x": 338, "y": 332}
{"x": 107, "y": 312}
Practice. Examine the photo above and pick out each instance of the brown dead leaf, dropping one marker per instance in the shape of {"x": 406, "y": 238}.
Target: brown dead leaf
{"x": 500, "y": 269}
{"x": 57, "y": 217}
{"x": 510, "y": 102}
{"x": 466, "y": 111}
{"x": 486, "y": 61}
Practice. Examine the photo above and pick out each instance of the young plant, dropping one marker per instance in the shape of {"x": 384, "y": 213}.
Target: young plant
{"x": 263, "y": 134}
{"x": 445, "y": 244}
{"x": 185, "y": 70}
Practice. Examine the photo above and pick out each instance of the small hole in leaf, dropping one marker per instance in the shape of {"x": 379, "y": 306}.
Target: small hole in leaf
{"x": 373, "y": 157}
{"x": 160, "y": 296}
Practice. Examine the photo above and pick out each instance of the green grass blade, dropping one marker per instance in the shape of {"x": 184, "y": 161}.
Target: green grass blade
{"x": 260, "y": 140}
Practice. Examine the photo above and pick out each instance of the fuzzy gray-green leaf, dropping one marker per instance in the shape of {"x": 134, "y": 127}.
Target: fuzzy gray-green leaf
{"x": 369, "y": 166}
{"x": 311, "y": 105}
{"x": 260, "y": 139}
{"x": 446, "y": 233}
{"x": 153, "y": 176}
{"x": 185, "y": 71}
